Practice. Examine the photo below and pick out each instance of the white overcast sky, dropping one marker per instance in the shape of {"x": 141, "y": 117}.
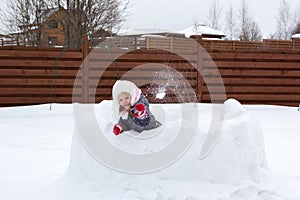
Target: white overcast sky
{"x": 180, "y": 14}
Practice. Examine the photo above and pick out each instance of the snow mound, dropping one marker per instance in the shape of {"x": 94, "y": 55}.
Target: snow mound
{"x": 233, "y": 109}
{"x": 238, "y": 156}
{"x": 240, "y": 152}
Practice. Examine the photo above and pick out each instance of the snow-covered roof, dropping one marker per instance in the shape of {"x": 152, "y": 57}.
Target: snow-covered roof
{"x": 201, "y": 30}
{"x": 297, "y": 35}
{"x": 5, "y": 36}
{"x": 147, "y": 31}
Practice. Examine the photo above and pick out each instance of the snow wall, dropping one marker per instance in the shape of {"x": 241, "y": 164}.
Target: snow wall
{"x": 238, "y": 156}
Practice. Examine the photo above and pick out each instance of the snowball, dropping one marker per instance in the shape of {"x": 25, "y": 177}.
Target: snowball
{"x": 233, "y": 109}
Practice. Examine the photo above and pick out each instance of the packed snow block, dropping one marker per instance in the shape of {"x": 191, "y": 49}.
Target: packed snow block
{"x": 239, "y": 155}
{"x": 84, "y": 166}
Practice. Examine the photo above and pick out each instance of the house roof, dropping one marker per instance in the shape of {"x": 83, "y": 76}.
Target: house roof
{"x": 200, "y": 29}
{"x": 187, "y": 32}
{"x": 297, "y": 35}
{"x": 5, "y": 36}
{"x": 48, "y": 13}
{"x": 149, "y": 31}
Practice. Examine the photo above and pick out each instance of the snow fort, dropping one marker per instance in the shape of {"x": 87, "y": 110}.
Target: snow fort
{"x": 238, "y": 154}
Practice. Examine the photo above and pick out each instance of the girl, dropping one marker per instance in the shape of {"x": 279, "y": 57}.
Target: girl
{"x": 133, "y": 108}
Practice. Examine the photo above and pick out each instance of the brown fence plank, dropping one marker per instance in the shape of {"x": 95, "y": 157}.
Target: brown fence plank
{"x": 253, "y": 90}
{"x": 7, "y": 91}
{"x": 256, "y": 97}
{"x": 40, "y": 54}
{"x": 146, "y": 57}
{"x": 141, "y": 64}
{"x": 36, "y": 81}
{"x": 109, "y": 82}
{"x": 33, "y": 100}
{"x": 256, "y": 81}
{"x": 140, "y": 74}
{"x": 254, "y": 73}
{"x": 12, "y": 63}
{"x": 233, "y": 64}
{"x": 23, "y": 73}
{"x": 255, "y": 56}
{"x": 28, "y": 48}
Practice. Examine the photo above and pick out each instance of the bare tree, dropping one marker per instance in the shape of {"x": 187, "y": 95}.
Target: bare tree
{"x": 272, "y": 36}
{"x": 230, "y": 23}
{"x": 195, "y": 26}
{"x": 255, "y": 33}
{"x": 296, "y": 21}
{"x": 214, "y": 15}
{"x": 93, "y": 17}
{"x": 78, "y": 17}
{"x": 284, "y": 21}
{"x": 24, "y": 17}
{"x": 245, "y": 22}
{"x": 249, "y": 29}
{"x": 296, "y": 29}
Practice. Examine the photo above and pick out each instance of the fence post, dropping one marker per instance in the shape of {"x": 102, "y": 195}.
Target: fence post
{"x": 293, "y": 43}
{"x": 85, "y": 72}
{"x": 135, "y": 42}
{"x": 200, "y": 81}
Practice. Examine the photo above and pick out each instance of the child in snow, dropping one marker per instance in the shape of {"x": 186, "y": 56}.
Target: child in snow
{"x": 133, "y": 108}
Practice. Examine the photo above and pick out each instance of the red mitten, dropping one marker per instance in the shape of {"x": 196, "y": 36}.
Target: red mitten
{"x": 140, "y": 107}
{"x": 140, "y": 111}
{"x": 117, "y": 129}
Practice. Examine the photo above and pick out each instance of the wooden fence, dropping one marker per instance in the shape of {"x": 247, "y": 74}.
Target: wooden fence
{"x": 265, "y": 45}
{"x": 29, "y": 75}
{"x": 257, "y": 74}
{"x": 257, "y": 77}
{"x": 11, "y": 42}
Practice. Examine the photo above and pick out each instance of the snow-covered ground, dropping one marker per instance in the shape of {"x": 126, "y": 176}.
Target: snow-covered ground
{"x": 40, "y": 155}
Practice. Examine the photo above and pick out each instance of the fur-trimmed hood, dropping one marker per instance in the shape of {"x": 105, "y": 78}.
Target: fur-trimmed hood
{"x": 123, "y": 86}
{"x": 128, "y": 87}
